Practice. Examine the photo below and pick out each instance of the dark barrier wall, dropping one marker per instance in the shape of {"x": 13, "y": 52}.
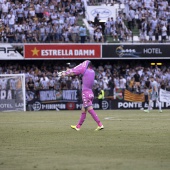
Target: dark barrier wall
{"x": 71, "y": 100}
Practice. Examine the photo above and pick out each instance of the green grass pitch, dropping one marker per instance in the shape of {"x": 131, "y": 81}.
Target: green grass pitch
{"x": 131, "y": 140}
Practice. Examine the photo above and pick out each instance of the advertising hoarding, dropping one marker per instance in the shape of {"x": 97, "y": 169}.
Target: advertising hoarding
{"x": 62, "y": 51}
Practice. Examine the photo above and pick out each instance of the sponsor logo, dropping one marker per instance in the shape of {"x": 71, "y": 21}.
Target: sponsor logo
{"x": 35, "y": 51}
{"x": 53, "y": 106}
{"x": 62, "y": 52}
{"x": 7, "y": 52}
{"x": 70, "y": 106}
{"x": 2, "y": 106}
{"x": 137, "y": 105}
{"x": 105, "y": 105}
{"x": 120, "y": 51}
{"x": 36, "y": 106}
{"x": 126, "y": 105}
{"x": 95, "y": 106}
{"x": 103, "y": 12}
{"x": 152, "y": 51}
{"x": 8, "y": 49}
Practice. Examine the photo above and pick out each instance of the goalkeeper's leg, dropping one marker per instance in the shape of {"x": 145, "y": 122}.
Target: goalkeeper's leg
{"x": 81, "y": 120}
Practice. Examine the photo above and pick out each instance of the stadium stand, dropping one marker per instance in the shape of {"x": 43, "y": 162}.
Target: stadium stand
{"x": 27, "y": 21}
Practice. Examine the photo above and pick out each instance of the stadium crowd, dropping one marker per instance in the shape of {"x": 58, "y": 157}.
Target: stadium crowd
{"x": 109, "y": 75}
{"x": 26, "y": 21}
{"x": 151, "y": 18}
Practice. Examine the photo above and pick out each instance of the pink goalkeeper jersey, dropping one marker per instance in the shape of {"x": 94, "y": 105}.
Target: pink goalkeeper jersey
{"x": 88, "y": 75}
{"x": 88, "y": 79}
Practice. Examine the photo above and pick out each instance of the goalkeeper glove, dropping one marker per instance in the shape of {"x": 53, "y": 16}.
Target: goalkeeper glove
{"x": 60, "y": 74}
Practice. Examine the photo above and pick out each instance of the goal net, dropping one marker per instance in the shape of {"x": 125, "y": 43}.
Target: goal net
{"x": 12, "y": 92}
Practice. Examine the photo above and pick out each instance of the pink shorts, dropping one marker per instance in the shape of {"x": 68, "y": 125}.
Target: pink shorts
{"x": 87, "y": 97}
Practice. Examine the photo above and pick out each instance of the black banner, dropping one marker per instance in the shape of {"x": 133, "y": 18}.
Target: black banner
{"x": 76, "y": 105}
{"x": 63, "y": 105}
{"x": 151, "y": 51}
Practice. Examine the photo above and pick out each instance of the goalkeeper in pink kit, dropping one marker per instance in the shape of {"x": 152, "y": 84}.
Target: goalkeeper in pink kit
{"x": 88, "y": 75}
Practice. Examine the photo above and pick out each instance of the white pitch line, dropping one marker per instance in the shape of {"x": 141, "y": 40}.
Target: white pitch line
{"x": 118, "y": 119}
{"x": 27, "y": 122}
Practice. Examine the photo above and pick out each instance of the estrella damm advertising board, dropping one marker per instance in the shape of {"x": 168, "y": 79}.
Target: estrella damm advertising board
{"x": 62, "y": 51}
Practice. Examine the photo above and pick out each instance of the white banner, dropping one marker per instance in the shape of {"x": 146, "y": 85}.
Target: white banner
{"x": 164, "y": 96}
{"x": 47, "y": 95}
{"x": 104, "y": 12}
{"x": 8, "y": 52}
{"x": 70, "y": 95}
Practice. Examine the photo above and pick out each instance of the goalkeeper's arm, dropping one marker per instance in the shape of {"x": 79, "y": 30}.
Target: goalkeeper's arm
{"x": 77, "y": 70}
{"x": 68, "y": 72}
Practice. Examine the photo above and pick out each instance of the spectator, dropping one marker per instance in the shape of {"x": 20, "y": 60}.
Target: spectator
{"x": 100, "y": 97}
{"x": 122, "y": 82}
{"x": 51, "y": 83}
{"x": 13, "y": 84}
{"x": 30, "y": 84}
{"x": 44, "y": 82}
{"x": 66, "y": 36}
{"x": 91, "y": 31}
{"x": 82, "y": 34}
{"x": 11, "y": 20}
{"x": 113, "y": 32}
{"x": 69, "y": 83}
{"x": 164, "y": 33}
{"x": 105, "y": 83}
{"x": 107, "y": 26}
{"x": 74, "y": 33}
{"x": 137, "y": 81}
{"x": 75, "y": 83}
{"x": 96, "y": 20}
{"x": 98, "y": 36}
{"x": 10, "y": 35}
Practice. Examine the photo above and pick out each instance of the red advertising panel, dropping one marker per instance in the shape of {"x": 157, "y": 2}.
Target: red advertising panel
{"x": 67, "y": 51}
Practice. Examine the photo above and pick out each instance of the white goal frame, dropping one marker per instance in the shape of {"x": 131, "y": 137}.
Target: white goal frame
{"x": 23, "y": 86}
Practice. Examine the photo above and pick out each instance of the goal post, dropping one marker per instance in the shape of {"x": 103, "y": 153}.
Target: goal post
{"x": 12, "y": 92}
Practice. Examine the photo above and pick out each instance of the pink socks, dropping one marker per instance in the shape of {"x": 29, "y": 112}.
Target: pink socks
{"x": 83, "y": 117}
{"x": 81, "y": 120}
{"x": 95, "y": 117}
